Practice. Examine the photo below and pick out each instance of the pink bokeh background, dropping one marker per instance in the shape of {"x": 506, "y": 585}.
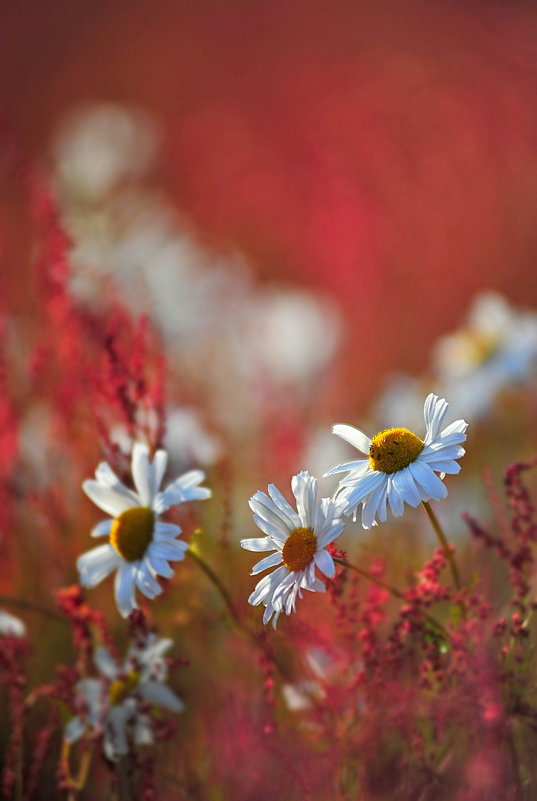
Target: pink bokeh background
{"x": 386, "y": 153}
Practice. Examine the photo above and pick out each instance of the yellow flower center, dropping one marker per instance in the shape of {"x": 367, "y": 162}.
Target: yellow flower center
{"x": 299, "y": 549}
{"x": 132, "y": 532}
{"x": 121, "y": 688}
{"x": 394, "y": 449}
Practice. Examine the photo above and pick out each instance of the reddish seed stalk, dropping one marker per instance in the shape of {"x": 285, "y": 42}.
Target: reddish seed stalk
{"x": 393, "y": 590}
{"x": 444, "y": 543}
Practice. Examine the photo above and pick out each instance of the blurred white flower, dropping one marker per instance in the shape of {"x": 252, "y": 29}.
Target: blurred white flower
{"x": 11, "y": 625}
{"x": 299, "y": 696}
{"x": 187, "y": 440}
{"x": 100, "y": 145}
{"x": 496, "y": 349}
{"x": 116, "y": 704}
{"x": 292, "y": 334}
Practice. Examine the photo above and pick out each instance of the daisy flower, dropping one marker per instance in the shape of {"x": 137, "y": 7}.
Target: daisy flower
{"x": 117, "y": 704}
{"x": 399, "y": 467}
{"x": 299, "y": 539}
{"x": 139, "y": 545}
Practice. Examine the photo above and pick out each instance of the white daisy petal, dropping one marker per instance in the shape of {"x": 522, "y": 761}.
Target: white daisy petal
{"x": 329, "y": 533}
{"x": 146, "y": 582}
{"x": 304, "y": 489}
{"x": 172, "y": 549}
{"x": 359, "y": 465}
{"x": 74, "y": 730}
{"x": 269, "y": 561}
{"x": 166, "y": 531}
{"x": 97, "y": 564}
{"x": 184, "y": 488}
{"x": 258, "y": 544}
{"x": 325, "y": 563}
{"x": 142, "y": 473}
{"x": 371, "y": 505}
{"x": 105, "y": 663}
{"x": 143, "y": 733}
{"x": 109, "y": 499}
{"x": 284, "y": 509}
{"x": 273, "y": 534}
{"x": 107, "y": 478}
{"x": 160, "y": 566}
{"x": 396, "y": 502}
{"x": 353, "y": 436}
{"x": 433, "y": 488}
{"x": 124, "y": 588}
{"x": 102, "y": 529}
{"x": 403, "y": 482}
{"x": 161, "y": 695}
{"x": 434, "y": 411}
{"x": 158, "y": 469}
{"x": 450, "y": 467}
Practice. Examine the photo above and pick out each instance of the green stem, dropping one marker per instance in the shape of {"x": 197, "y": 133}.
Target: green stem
{"x": 393, "y": 590}
{"x": 211, "y": 575}
{"x": 31, "y": 607}
{"x": 444, "y": 543}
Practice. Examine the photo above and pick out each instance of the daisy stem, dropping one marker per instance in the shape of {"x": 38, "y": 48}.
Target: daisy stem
{"x": 259, "y": 643}
{"x": 30, "y": 607}
{"x": 444, "y": 543}
{"x": 76, "y": 785}
{"x": 211, "y": 575}
{"x": 393, "y": 590}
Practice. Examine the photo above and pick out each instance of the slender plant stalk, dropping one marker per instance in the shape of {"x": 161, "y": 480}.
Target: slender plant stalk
{"x": 31, "y": 607}
{"x": 444, "y": 543}
{"x": 393, "y": 590}
{"x": 211, "y": 575}
{"x": 518, "y": 789}
{"x": 76, "y": 785}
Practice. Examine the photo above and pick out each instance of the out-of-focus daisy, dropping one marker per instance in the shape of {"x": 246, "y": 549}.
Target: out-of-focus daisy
{"x": 11, "y": 625}
{"x": 117, "y": 704}
{"x": 299, "y": 539}
{"x": 400, "y": 467}
{"x": 188, "y": 441}
{"x": 139, "y": 545}
{"x": 497, "y": 348}
{"x": 99, "y": 146}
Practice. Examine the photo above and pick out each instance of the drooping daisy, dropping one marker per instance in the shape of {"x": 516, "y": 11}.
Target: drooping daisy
{"x": 299, "y": 539}
{"x": 399, "y": 467}
{"x": 117, "y": 704}
{"x": 139, "y": 545}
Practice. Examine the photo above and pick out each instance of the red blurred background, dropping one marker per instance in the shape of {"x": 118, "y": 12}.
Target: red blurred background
{"x": 386, "y": 152}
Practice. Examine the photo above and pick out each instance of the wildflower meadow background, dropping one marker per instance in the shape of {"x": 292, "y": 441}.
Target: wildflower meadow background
{"x": 268, "y": 401}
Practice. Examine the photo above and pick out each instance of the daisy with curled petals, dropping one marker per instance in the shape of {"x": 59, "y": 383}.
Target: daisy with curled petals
{"x": 399, "y": 467}
{"x": 299, "y": 539}
{"x": 139, "y": 545}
